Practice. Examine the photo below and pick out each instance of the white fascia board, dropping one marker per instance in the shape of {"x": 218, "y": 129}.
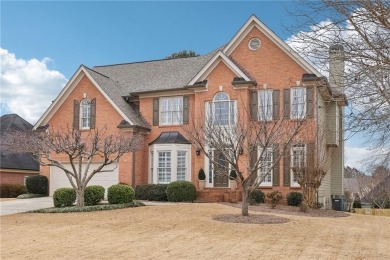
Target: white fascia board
{"x": 69, "y": 87}
{"x": 209, "y": 67}
{"x": 252, "y": 22}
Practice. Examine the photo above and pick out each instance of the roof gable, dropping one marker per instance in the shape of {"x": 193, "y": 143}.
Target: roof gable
{"x": 210, "y": 66}
{"x": 252, "y": 22}
{"x": 70, "y": 86}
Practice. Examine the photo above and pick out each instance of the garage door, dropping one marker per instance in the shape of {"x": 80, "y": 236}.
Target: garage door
{"x": 58, "y": 177}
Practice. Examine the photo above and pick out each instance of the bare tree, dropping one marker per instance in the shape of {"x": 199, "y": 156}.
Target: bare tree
{"x": 79, "y": 148}
{"x": 375, "y": 189}
{"x": 244, "y": 145}
{"x": 362, "y": 28}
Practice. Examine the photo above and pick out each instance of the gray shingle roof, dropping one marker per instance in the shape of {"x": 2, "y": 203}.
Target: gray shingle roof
{"x": 21, "y": 161}
{"x": 114, "y": 90}
{"x": 155, "y": 75}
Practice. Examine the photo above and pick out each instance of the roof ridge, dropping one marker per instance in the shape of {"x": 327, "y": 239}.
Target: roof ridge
{"x": 99, "y": 73}
{"x": 137, "y": 62}
{"x": 13, "y": 117}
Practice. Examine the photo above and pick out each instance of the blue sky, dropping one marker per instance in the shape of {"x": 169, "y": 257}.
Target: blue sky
{"x": 43, "y": 43}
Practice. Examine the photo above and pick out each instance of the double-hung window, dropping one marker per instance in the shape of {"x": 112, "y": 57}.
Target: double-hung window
{"x": 164, "y": 167}
{"x": 171, "y": 111}
{"x": 222, "y": 110}
{"x": 181, "y": 165}
{"x": 265, "y": 169}
{"x": 298, "y": 103}
{"x": 265, "y": 105}
{"x": 85, "y": 114}
{"x": 298, "y": 159}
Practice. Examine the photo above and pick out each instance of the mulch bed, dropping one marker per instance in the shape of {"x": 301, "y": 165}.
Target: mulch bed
{"x": 290, "y": 210}
{"x": 251, "y": 219}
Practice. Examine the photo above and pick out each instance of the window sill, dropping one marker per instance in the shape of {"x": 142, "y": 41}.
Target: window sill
{"x": 164, "y": 126}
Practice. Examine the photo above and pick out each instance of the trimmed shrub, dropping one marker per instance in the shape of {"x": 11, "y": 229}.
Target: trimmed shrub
{"x": 201, "y": 175}
{"x": 153, "y": 192}
{"x": 232, "y": 175}
{"x": 357, "y": 204}
{"x": 294, "y": 198}
{"x": 37, "y": 184}
{"x": 89, "y": 208}
{"x": 64, "y": 197}
{"x": 257, "y": 197}
{"x": 181, "y": 191}
{"x": 119, "y": 194}
{"x": 93, "y": 195}
{"x": 158, "y": 192}
{"x": 275, "y": 197}
{"x": 11, "y": 190}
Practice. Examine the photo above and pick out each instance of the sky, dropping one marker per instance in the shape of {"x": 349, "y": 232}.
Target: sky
{"x": 43, "y": 43}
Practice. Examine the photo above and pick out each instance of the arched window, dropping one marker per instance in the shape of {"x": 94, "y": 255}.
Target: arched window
{"x": 222, "y": 110}
{"x": 85, "y": 113}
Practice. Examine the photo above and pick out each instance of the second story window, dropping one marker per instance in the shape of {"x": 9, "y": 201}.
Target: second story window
{"x": 171, "y": 111}
{"x": 298, "y": 103}
{"x": 265, "y": 105}
{"x": 85, "y": 113}
{"x": 222, "y": 110}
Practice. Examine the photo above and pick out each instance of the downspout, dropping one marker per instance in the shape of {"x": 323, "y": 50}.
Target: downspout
{"x": 133, "y": 171}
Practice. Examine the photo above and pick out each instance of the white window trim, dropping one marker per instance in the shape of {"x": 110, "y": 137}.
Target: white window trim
{"x": 259, "y": 105}
{"x": 266, "y": 183}
{"x": 161, "y": 111}
{"x": 292, "y": 182}
{"x": 292, "y": 116}
{"x": 173, "y": 148}
{"x": 81, "y": 114}
{"x": 209, "y": 116}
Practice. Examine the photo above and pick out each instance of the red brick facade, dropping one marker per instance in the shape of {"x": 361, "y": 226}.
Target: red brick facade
{"x": 14, "y": 177}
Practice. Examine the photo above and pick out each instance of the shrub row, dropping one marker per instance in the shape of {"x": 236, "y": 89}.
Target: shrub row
{"x": 11, "y": 190}
{"x": 181, "y": 191}
{"x": 154, "y": 192}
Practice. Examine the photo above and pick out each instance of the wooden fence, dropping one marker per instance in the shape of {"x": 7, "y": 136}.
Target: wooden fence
{"x": 374, "y": 212}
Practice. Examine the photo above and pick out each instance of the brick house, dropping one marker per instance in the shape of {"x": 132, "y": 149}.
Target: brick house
{"x": 15, "y": 167}
{"x": 157, "y": 97}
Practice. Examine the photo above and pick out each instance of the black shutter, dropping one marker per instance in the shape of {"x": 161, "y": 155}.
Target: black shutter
{"x": 286, "y": 103}
{"x": 253, "y": 160}
{"x": 275, "y": 171}
{"x": 76, "y": 114}
{"x": 309, "y": 102}
{"x": 310, "y": 155}
{"x": 286, "y": 166}
{"x": 155, "y": 111}
{"x": 254, "y": 105}
{"x": 93, "y": 114}
{"x": 185, "y": 109}
{"x": 275, "y": 103}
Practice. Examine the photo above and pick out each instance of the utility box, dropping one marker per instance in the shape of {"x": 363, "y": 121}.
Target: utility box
{"x": 338, "y": 204}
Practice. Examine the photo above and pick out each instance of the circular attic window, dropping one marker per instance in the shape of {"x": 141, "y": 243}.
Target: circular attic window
{"x": 254, "y": 44}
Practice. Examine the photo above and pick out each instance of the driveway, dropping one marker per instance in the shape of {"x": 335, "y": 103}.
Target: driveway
{"x": 23, "y": 205}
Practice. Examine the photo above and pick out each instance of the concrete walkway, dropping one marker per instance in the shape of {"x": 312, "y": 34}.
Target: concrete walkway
{"x": 22, "y": 205}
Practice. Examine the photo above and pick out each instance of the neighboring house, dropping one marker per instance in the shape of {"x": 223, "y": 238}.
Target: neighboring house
{"x": 157, "y": 97}
{"x": 15, "y": 167}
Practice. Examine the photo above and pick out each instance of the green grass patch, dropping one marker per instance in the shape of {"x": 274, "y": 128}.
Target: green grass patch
{"x": 89, "y": 208}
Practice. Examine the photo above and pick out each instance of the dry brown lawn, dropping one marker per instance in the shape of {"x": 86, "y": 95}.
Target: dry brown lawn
{"x": 188, "y": 231}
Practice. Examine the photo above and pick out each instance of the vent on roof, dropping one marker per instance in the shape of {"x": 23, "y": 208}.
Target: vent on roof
{"x": 254, "y": 44}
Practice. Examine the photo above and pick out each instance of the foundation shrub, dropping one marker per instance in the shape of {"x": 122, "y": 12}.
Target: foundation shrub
{"x": 64, "y": 197}
{"x": 37, "y": 184}
{"x": 153, "y": 192}
{"x": 11, "y": 190}
{"x": 120, "y": 194}
{"x": 257, "y": 197}
{"x": 275, "y": 197}
{"x": 181, "y": 191}
{"x": 93, "y": 195}
{"x": 294, "y": 198}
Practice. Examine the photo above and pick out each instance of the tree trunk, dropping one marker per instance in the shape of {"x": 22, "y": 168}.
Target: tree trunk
{"x": 245, "y": 201}
{"x": 80, "y": 197}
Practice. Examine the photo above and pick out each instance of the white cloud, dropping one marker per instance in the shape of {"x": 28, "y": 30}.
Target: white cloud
{"x": 357, "y": 157}
{"x": 28, "y": 86}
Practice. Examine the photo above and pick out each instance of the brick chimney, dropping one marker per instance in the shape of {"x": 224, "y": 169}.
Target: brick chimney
{"x": 336, "y": 68}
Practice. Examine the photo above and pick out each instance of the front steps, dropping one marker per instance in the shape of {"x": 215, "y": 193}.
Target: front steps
{"x": 209, "y": 195}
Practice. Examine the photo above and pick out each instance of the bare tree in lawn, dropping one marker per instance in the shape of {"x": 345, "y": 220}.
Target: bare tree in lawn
{"x": 244, "y": 145}
{"x": 80, "y": 149}
{"x": 363, "y": 29}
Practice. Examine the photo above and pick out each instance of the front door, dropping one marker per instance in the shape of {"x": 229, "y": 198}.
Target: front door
{"x": 221, "y": 170}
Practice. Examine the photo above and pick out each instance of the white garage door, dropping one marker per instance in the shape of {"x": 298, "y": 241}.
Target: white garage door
{"x": 58, "y": 177}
